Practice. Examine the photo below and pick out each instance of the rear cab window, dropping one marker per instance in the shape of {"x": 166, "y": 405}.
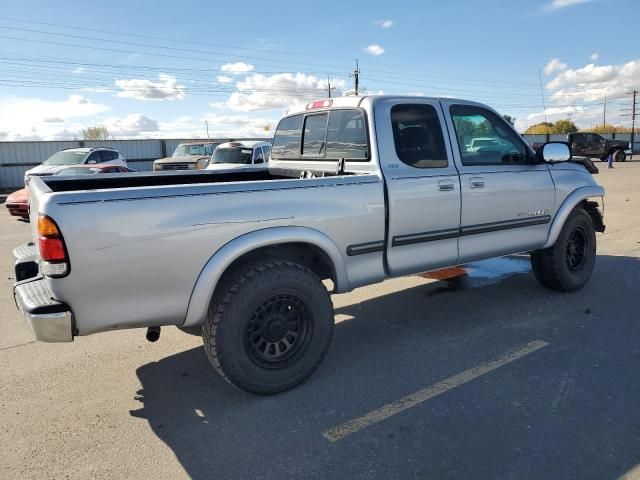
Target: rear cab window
{"x": 418, "y": 137}
{"x": 325, "y": 135}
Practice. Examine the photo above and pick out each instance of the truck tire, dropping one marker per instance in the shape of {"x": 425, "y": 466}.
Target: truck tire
{"x": 619, "y": 156}
{"x": 567, "y": 265}
{"x": 269, "y": 326}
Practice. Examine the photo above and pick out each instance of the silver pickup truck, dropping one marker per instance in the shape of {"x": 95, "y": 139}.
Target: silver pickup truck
{"x": 359, "y": 189}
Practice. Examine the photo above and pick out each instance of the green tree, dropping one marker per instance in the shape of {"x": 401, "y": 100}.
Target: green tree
{"x": 608, "y": 129}
{"x": 561, "y": 126}
{"x": 95, "y": 132}
{"x": 543, "y": 127}
{"x": 564, "y": 126}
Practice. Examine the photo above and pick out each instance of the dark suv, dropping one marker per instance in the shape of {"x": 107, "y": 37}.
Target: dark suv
{"x": 588, "y": 144}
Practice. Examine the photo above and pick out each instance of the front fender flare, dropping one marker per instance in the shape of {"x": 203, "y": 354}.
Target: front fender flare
{"x": 573, "y": 199}
{"x": 225, "y": 256}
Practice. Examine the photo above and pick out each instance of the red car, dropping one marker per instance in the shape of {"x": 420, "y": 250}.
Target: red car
{"x": 18, "y": 202}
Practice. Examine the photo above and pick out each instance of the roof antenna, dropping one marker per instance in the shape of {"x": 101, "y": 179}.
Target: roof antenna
{"x": 544, "y": 109}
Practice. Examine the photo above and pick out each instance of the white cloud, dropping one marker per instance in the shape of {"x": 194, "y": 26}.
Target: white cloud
{"x": 554, "y": 65}
{"x": 558, "y": 4}
{"x": 132, "y": 125}
{"x": 224, "y": 79}
{"x": 79, "y": 70}
{"x": 34, "y": 118}
{"x": 167, "y": 88}
{"x": 238, "y": 67}
{"x": 592, "y": 76}
{"x": 279, "y": 91}
{"x": 385, "y": 23}
{"x": 579, "y": 94}
{"x": 374, "y": 50}
{"x": 594, "y": 56}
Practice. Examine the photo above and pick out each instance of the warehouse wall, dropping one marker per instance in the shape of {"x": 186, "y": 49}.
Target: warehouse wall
{"x": 17, "y": 157}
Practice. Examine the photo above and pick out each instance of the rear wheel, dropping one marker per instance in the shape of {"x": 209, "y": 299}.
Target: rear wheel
{"x": 619, "y": 156}
{"x": 269, "y": 326}
{"x": 567, "y": 265}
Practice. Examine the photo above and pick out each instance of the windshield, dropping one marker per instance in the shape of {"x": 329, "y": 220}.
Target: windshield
{"x": 65, "y": 158}
{"x": 199, "y": 150}
{"x": 232, "y": 155}
{"x": 78, "y": 171}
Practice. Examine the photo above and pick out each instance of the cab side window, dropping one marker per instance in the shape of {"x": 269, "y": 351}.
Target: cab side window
{"x": 94, "y": 158}
{"x": 107, "y": 155}
{"x": 418, "y": 137}
{"x": 486, "y": 139}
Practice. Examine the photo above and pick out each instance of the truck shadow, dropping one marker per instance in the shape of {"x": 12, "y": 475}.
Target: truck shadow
{"x": 568, "y": 412}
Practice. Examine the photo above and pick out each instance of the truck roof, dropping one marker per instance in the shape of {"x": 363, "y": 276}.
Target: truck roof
{"x": 353, "y": 101}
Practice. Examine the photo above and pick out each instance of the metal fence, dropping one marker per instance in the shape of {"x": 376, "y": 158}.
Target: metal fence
{"x": 17, "y": 157}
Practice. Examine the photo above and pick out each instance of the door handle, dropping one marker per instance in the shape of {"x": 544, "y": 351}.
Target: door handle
{"x": 476, "y": 182}
{"x": 445, "y": 185}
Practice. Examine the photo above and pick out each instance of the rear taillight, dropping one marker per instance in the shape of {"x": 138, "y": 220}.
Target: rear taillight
{"x": 53, "y": 252}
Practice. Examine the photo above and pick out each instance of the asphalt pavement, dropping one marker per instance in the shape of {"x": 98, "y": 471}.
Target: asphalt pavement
{"x": 484, "y": 376}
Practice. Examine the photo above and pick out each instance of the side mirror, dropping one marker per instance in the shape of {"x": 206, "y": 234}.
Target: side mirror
{"x": 259, "y": 160}
{"x": 554, "y": 152}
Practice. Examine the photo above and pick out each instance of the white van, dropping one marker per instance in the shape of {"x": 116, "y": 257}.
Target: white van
{"x": 250, "y": 156}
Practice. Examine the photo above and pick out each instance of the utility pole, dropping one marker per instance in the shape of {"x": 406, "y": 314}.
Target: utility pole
{"x": 329, "y": 87}
{"x": 633, "y": 118}
{"x": 206, "y": 122}
{"x": 604, "y": 113}
{"x": 356, "y": 77}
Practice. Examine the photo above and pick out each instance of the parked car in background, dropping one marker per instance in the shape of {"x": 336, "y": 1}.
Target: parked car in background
{"x": 18, "y": 202}
{"x": 595, "y": 145}
{"x": 241, "y": 155}
{"x": 477, "y": 143}
{"x": 187, "y": 156}
{"x": 359, "y": 189}
{"x": 75, "y": 156}
{"x": 94, "y": 169}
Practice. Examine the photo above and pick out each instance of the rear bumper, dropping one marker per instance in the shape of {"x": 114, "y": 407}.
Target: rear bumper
{"x": 50, "y": 320}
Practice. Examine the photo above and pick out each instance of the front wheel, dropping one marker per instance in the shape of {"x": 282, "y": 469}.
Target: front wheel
{"x": 619, "y": 156}
{"x": 567, "y": 265}
{"x": 269, "y": 326}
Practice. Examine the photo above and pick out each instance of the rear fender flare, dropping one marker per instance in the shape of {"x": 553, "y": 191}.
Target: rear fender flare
{"x": 225, "y": 256}
{"x": 572, "y": 200}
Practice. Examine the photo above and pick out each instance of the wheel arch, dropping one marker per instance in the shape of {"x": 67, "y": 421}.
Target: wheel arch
{"x": 303, "y": 245}
{"x": 574, "y": 199}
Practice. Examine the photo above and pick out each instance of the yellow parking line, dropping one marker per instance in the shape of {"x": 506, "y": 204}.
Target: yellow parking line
{"x": 420, "y": 396}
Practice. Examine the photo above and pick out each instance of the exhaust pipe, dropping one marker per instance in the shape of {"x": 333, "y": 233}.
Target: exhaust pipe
{"x": 153, "y": 334}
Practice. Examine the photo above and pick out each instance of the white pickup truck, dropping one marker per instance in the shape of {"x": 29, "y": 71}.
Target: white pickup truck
{"x": 359, "y": 189}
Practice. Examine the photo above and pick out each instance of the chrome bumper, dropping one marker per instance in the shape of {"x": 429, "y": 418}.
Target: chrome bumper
{"x": 50, "y": 320}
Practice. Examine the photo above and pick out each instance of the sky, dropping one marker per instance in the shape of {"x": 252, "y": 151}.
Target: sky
{"x": 157, "y": 69}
